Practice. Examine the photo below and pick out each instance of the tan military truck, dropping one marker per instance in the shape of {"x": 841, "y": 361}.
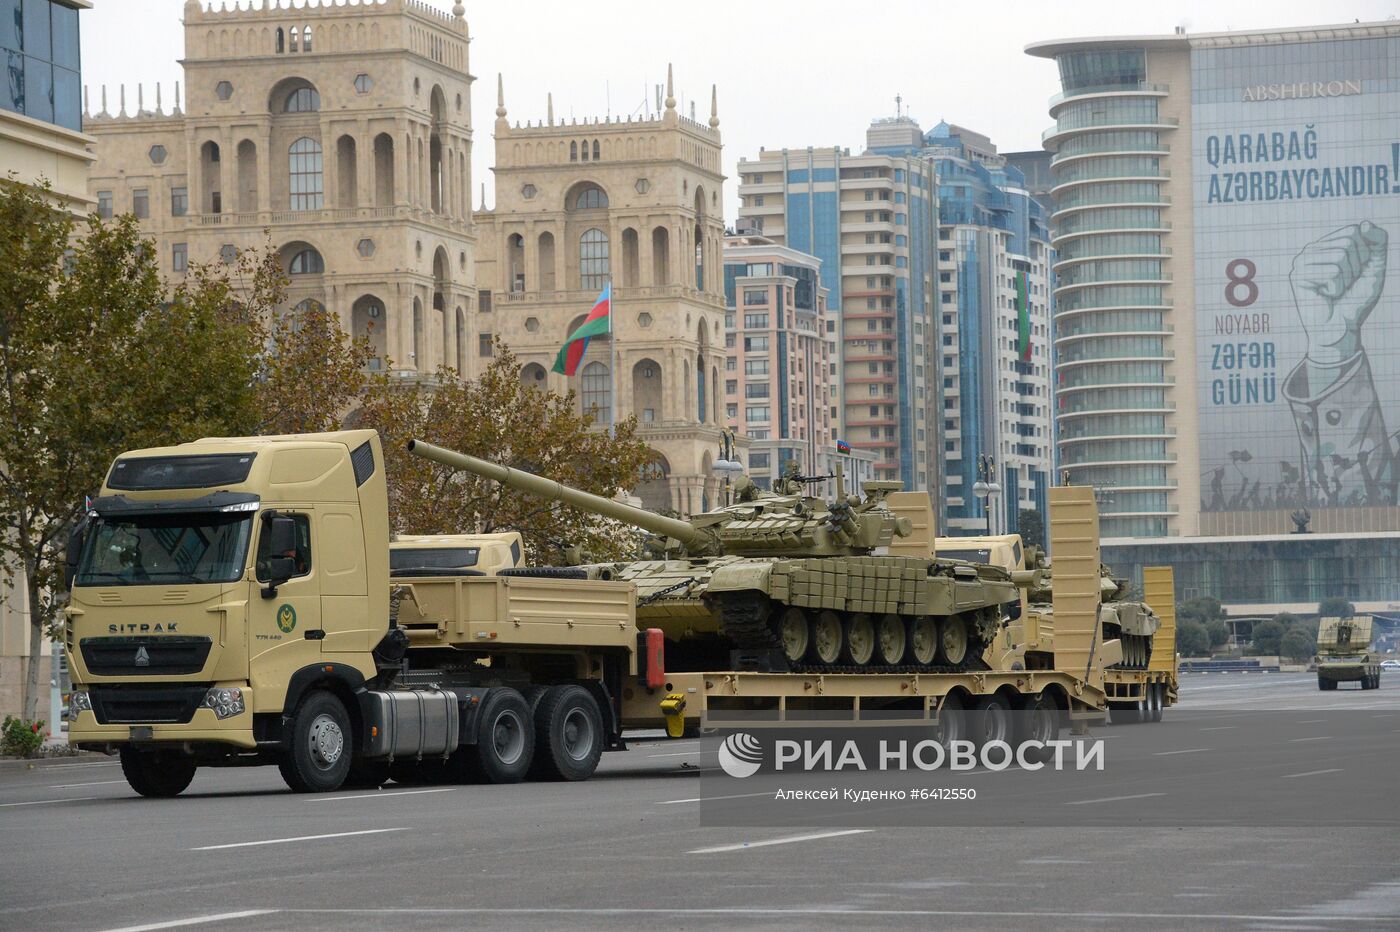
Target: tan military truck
{"x": 1344, "y": 653}
{"x": 231, "y": 605}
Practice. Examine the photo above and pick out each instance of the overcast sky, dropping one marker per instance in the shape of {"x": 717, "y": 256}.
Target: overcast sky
{"x": 790, "y": 72}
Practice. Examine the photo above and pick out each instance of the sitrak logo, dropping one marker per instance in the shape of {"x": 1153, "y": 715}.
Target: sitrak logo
{"x": 740, "y": 755}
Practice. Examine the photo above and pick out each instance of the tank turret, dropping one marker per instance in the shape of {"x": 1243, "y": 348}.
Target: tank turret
{"x": 1344, "y": 653}
{"x": 787, "y": 581}
{"x": 760, "y": 524}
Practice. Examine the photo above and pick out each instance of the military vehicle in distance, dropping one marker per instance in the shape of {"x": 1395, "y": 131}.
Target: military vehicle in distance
{"x": 455, "y": 554}
{"x": 790, "y": 582}
{"x": 1343, "y": 653}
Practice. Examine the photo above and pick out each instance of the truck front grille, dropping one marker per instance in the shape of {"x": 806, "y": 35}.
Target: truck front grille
{"x": 138, "y": 655}
{"x": 146, "y": 705}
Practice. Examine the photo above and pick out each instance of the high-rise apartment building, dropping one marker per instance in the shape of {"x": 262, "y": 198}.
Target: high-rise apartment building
{"x": 344, "y": 133}
{"x": 1208, "y": 380}
{"x": 937, "y": 261}
{"x": 634, "y": 203}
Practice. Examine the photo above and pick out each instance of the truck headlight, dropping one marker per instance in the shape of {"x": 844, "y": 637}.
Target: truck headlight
{"x": 225, "y": 701}
{"x": 78, "y": 701}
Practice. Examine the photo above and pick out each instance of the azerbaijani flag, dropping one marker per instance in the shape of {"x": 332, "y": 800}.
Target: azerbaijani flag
{"x": 1023, "y": 316}
{"x": 596, "y": 324}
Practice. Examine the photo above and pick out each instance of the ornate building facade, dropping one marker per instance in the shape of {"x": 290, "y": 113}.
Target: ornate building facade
{"x": 635, "y": 204}
{"x": 344, "y": 134}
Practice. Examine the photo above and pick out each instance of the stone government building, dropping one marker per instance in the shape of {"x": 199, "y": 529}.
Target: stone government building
{"x": 345, "y": 132}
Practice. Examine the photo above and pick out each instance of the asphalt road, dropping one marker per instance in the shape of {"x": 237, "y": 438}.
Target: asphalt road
{"x": 627, "y": 849}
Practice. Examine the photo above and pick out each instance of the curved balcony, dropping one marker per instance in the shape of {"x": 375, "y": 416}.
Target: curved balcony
{"x": 1163, "y": 253}
{"x": 1138, "y": 89}
{"x": 1108, "y": 152}
{"x": 1148, "y": 177}
{"x": 1057, "y": 132}
{"x": 1068, "y": 338}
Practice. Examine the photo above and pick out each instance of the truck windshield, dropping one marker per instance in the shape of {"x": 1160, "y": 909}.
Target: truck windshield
{"x": 441, "y": 558}
{"x": 148, "y": 550}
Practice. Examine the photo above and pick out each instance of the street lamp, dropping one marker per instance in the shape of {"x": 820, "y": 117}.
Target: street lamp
{"x": 986, "y": 488}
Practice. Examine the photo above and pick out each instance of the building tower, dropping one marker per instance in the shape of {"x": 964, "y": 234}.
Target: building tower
{"x": 344, "y": 131}
{"x": 634, "y": 203}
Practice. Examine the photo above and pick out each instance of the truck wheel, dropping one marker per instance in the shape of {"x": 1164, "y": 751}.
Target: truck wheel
{"x": 366, "y": 775}
{"x": 319, "y": 750}
{"x": 157, "y": 774}
{"x": 568, "y": 735}
{"x": 991, "y": 720}
{"x": 505, "y": 737}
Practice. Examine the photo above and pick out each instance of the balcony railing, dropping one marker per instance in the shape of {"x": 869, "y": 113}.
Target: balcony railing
{"x": 1141, "y": 87}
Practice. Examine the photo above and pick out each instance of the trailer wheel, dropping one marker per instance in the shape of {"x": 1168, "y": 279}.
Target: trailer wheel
{"x": 952, "y": 721}
{"x": 157, "y": 774}
{"x": 991, "y": 721}
{"x": 505, "y": 737}
{"x": 366, "y": 775}
{"x": 1157, "y": 697}
{"x": 568, "y": 734}
{"x": 1041, "y": 724}
{"x": 319, "y": 742}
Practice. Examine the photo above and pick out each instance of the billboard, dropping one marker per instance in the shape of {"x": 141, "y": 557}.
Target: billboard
{"x": 1296, "y": 183}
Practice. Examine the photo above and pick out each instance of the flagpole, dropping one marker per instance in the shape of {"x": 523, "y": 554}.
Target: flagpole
{"x": 612, "y": 351}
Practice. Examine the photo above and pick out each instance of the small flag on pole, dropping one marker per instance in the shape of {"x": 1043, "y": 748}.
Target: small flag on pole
{"x": 596, "y": 324}
{"x": 843, "y": 447}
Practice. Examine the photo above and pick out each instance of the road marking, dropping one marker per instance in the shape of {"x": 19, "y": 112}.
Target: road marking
{"x": 1055, "y": 861}
{"x": 1113, "y": 799}
{"x": 844, "y": 911}
{"x": 383, "y": 794}
{"x": 698, "y": 799}
{"x": 283, "y": 841}
{"x": 1218, "y": 728}
{"x": 194, "y": 920}
{"x": 1312, "y": 773}
{"x": 69, "y": 786}
{"x": 1318, "y": 738}
{"x": 1312, "y": 721}
{"x": 744, "y": 846}
{"x": 1182, "y": 751}
{"x": 44, "y": 802}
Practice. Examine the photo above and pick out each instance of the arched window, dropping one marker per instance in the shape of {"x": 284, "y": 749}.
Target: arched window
{"x": 585, "y": 150}
{"x": 305, "y": 175}
{"x": 306, "y": 262}
{"x": 595, "y": 150}
{"x": 281, "y": 41}
{"x": 597, "y": 392}
{"x": 295, "y": 33}
{"x": 593, "y": 265}
{"x": 306, "y": 40}
{"x": 700, "y": 386}
{"x": 573, "y": 151}
{"x": 303, "y": 100}
{"x": 590, "y": 198}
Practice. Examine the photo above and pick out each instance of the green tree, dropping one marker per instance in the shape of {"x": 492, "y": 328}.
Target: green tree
{"x": 1266, "y": 637}
{"x": 96, "y": 358}
{"x": 1335, "y": 607}
{"x": 1287, "y": 619}
{"x": 1192, "y": 640}
{"x": 1031, "y": 526}
{"x": 1218, "y": 633}
{"x": 1297, "y": 645}
{"x": 496, "y": 417}
{"x": 1202, "y": 609}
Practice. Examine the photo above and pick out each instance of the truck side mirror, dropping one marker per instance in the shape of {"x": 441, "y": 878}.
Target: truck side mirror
{"x": 281, "y": 532}
{"x": 76, "y": 538}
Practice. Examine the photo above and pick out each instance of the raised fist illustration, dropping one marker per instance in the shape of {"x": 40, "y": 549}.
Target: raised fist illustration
{"x": 1336, "y": 282}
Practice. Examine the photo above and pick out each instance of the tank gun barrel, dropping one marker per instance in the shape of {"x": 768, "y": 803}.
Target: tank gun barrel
{"x": 694, "y": 539}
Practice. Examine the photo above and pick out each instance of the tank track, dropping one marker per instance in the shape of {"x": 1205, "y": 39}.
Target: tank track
{"x": 746, "y": 625}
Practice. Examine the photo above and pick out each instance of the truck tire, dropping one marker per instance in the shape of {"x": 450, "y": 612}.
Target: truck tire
{"x": 568, "y": 734}
{"x": 156, "y": 774}
{"x": 505, "y": 737}
{"x": 319, "y": 744}
{"x": 366, "y": 775}
{"x": 991, "y": 720}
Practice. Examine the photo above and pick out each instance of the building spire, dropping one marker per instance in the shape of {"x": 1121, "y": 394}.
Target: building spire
{"x": 104, "y": 101}
{"x": 551, "y": 108}
{"x": 160, "y": 108}
{"x": 670, "y": 89}
{"x": 483, "y": 196}
{"x": 500, "y": 97}
{"x": 177, "y": 97}
{"x": 714, "y": 106}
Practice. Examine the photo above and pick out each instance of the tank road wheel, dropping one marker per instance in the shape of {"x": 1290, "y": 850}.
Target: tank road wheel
{"x": 859, "y": 647}
{"x": 923, "y": 640}
{"x": 795, "y": 633}
{"x": 568, "y": 734}
{"x": 952, "y": 646}
{"x": 991, "y": 720}
{"x": 319, "y": 744}
{"x": 827, "y": 638}
{"x": 505, "y": 737}
{"x": 157, "y": 774}
{"x": 890, "y": 640}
